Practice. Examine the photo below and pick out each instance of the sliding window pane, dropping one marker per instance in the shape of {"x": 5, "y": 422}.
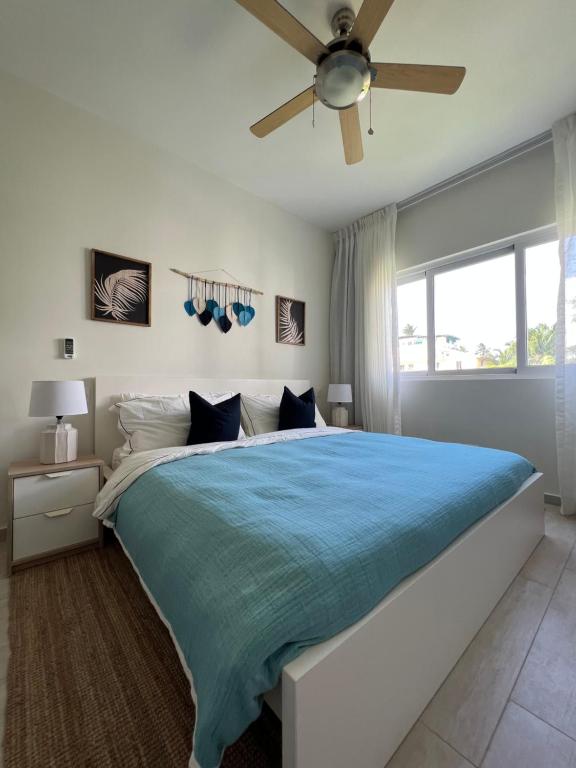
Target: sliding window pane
{"x": 542, "y": 278}
{"x": 413, "y": 326}
{"x": 475, "y": 315}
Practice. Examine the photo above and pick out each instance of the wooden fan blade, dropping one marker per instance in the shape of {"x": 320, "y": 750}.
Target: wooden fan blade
{"x": 284, "y": 113}
{"x": 279, "y": 20}
{"x": 418, "y": 77}
{"x": 351, "y": 135}
{"x": 370, "y": 16}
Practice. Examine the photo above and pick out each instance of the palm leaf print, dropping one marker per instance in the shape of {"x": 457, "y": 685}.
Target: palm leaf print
{"x": 120, "y": 292}
{"x": 290, "y": 332}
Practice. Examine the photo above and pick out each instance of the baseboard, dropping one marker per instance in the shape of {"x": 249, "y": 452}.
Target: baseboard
{"x": 2, "y": 534}
{"x": 553, "y": 498}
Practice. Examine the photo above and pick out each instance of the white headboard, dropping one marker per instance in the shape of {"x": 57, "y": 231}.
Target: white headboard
{"x": 108, "y": 388}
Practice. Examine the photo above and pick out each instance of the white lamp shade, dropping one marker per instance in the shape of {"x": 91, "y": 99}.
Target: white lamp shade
{"x": 339, "y": 393}
{"x": 57, "y": 398}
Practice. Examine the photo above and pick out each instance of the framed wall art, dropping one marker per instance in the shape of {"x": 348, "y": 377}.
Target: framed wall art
{"x": 121, "y": 289}
{"x": 290, "y": 321}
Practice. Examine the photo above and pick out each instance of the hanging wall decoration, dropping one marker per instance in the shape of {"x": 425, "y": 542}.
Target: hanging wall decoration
{"x": 189, "y": 304}
{"x": 223, "y": 319}
{"x": 217, "y": 307}
{"x": 120, "y": 289}
{"x": 206, "y": 315}
{"x": 290, "y": 321}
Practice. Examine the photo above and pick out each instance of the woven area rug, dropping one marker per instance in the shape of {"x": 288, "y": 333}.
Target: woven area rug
{"x": 94, "y": 680}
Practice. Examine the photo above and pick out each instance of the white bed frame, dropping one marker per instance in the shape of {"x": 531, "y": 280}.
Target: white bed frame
{"x": 351, "y": 700}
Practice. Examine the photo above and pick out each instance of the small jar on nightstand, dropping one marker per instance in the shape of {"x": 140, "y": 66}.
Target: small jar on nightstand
{"x": 51, "y": 508}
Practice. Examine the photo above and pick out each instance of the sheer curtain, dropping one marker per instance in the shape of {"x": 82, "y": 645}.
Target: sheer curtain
{"x": 564, "y": 133}
{"x": 363, "y": 320}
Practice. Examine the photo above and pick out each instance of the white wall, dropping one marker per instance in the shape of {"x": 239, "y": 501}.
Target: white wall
{"x": 70, "y": 182}
{"x": 509, "y": 199}
{"x": 516, "y": 415}
{"x": 511, "y": 415}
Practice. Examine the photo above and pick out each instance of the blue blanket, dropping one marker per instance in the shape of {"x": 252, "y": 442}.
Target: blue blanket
{"x": 253, "y": 554}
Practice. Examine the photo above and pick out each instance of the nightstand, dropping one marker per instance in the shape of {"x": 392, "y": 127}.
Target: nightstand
{"x": 50, "y": 512}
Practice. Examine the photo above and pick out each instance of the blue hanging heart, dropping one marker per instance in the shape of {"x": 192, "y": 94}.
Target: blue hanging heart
{"x": 189, "y": 307}
{"x": 237, "y": 307}
{"x": 244, "y": 317}
{"x": 211, "y": 305}
{"x": 218, "y": 312}
{"x": 252, "y": 311}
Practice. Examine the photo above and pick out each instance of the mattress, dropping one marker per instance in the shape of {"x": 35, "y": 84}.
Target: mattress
{"x": 253, "y": 555}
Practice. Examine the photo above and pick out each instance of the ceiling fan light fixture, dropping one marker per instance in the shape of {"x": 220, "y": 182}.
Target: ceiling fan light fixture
{"x": 343, "y": 79}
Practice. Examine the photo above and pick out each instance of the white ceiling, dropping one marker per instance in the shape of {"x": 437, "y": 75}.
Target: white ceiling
{"x": 192, "y": 75}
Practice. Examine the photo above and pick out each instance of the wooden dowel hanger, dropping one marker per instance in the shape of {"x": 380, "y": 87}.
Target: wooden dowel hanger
{"x": 207, "y": 281}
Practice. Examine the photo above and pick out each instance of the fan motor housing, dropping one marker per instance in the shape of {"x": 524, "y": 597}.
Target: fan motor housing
{"x": 343, "y": 79}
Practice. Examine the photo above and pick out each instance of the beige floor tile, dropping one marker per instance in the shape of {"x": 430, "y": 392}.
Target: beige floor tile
{"x": 571, "y": 564}
{"x": 423, "y": 749}
{"x": 547, "y": 683}
{"x": 466, "y": 709}
{"x": 548, "y": 560}
{"x": 558, "y": 525}
{"x": 523, "y": 741}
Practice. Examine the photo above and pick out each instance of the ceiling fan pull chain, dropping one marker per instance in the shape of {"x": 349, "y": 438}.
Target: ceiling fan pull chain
{"x": 370, "y": 130}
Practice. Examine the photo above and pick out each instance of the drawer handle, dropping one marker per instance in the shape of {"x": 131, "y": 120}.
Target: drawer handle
{"x": 56, "y": 475}
{"x": 58, "y": 512}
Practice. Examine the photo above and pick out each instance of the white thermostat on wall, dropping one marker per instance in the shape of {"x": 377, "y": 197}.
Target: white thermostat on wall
{"x": 69, "y": 349}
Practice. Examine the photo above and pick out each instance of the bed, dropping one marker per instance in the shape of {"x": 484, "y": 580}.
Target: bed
{"x": 306, "y": 581}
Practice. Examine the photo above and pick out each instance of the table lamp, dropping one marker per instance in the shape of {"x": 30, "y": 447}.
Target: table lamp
{"x": 58, "y": 442}
{"x": 339, "y": 393}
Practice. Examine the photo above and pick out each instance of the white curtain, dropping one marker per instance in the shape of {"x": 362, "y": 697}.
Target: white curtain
{"x": 564, "y": 133}
{"x": 363, "y": 320}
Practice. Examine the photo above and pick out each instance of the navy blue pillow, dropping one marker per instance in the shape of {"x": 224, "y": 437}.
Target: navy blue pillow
{"x": 213, "y": 423}
{"x": 297, "y": 412}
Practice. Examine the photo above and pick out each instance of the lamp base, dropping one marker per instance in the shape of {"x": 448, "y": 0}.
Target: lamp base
{"x": 339, "y": 416}
{"x": 58, "y": 444}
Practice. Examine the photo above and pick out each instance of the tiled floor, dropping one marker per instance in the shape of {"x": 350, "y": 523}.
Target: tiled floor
{"x": 510, "y": 702}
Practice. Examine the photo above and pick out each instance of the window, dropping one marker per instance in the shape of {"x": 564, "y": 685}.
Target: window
{"x": 475, "y": 315}
{"x": 490, "y": 311}
{"x": 413, "y": 326}
{"x": 542, "y": 278}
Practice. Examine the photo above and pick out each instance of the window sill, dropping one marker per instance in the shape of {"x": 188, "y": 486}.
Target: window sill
{"x": 537, "y": 373}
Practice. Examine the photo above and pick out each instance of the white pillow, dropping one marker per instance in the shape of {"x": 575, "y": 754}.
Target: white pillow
{"x": 260, "y": 414}
{"x": 156, "y": 421}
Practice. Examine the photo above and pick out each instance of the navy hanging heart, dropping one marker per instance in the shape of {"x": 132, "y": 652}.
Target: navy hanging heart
{"x": 224, "y": 323}
{"x": 205, "y": 317}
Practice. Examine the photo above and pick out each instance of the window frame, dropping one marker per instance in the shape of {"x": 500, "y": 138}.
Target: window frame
{"x": 517, "y": 245}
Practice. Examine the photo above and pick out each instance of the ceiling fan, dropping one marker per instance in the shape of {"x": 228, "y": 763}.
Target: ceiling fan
{"x": 344, "y": 70}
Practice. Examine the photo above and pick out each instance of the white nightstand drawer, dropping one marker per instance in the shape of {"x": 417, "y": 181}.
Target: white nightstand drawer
{"x": 53, "y": 530}
{"x": 56, "y": 490}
